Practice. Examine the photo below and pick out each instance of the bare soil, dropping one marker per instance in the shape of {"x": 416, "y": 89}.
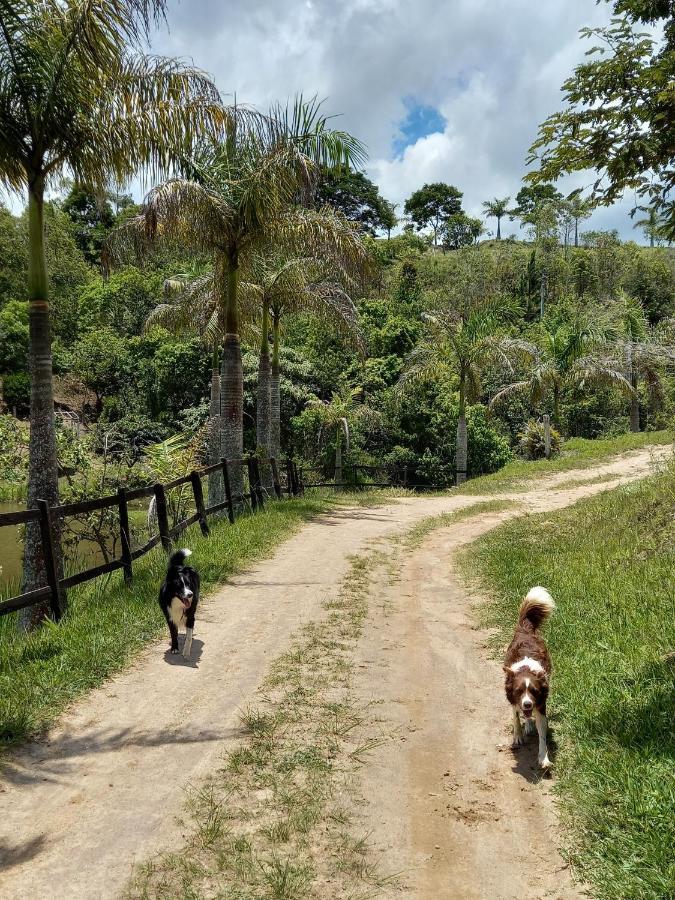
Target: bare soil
{"x": 465, "y": 818}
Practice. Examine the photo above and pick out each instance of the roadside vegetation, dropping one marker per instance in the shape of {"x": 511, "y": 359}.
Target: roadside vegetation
{"x": 608, "y": 562}
{"x": 578, "y": 453}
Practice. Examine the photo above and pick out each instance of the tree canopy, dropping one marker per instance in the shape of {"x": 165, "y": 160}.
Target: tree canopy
{"x": 619, "y": 114}
{"x": 357, "y": 198}
{"x": 432, "y": 205}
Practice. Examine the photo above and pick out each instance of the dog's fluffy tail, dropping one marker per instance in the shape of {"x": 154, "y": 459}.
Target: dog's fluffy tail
{"x": 536, "y": 607}
{"x": 178, "y": 558}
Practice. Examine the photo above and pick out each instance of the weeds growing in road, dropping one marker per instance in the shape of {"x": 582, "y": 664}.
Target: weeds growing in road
{"x": 417, "y": 534}
{"x": 278, "y": 819}
{"x": 609, "y": 563}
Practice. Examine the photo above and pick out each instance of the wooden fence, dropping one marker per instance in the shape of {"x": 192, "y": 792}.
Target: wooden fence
{"x": 54, "y": 591}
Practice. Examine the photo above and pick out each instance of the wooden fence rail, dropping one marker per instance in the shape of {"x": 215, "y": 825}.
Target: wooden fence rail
{"x": 55, "y": 589}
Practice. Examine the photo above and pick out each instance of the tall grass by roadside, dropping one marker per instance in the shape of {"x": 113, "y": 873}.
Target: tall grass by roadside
{"x": 609, "y": 563}
{"x": 578, "y": 453}
{"x": 107, "y": 623}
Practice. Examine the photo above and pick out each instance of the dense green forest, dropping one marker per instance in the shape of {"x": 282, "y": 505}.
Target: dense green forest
{"x": 134, "y": 374}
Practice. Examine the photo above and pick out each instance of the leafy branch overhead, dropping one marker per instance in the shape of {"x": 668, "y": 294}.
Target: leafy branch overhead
{"x": 619, "y": 114}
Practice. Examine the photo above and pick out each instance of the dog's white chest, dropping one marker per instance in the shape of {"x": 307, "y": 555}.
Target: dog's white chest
{"x": 177, "y": 612}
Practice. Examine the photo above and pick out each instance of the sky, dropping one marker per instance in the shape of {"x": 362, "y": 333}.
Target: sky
{"x": 438, "y": 90}
{"x": 448, "y": 91}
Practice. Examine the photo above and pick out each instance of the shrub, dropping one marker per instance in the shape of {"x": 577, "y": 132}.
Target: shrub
{"x": 16, "y": 392}
{"x": 532, "y": 445}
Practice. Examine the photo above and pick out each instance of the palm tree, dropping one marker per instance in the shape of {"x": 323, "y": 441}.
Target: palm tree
{"x": 237, "y": 198}
{"x": 565, "y": 357}
{"x": 458, "y": 345}
{"x": 578, "y": 208}
{"x": 497, "y": 209}
{"x": 644, "y": 354}
{"x": 335, "y": 415}
{"x": 79, "y": 98}
{"x": 651, "y": 224}
{"x": 276, "y": 282}
{"x": 305, "y": 284}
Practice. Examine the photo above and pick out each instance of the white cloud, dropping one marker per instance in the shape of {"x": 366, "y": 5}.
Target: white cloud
{"x": 493, "y": 68}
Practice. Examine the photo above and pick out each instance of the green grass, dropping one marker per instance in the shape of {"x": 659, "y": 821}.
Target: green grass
{"x": 107, "y": 623}
{"x": 578, "y": 453}
{"x": 609, "y": 563}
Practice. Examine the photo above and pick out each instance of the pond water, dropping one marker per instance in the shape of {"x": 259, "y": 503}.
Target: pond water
{"x": 84, "y": 556}
{"x": 11, "y": 554}
{"x": 11, "y": 549}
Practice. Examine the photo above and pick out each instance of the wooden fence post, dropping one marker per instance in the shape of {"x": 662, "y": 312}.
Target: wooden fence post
{"x": 301, "y": 482}
{"x": 260, "y": 497}
{"x": 162, "y": 516}
{"x": 251, "y": 484}
{"x": 125, "y": 535}
{"x": 405, "y": 476}
{"x": 57, "y": 600}
{"x": 289, "y": 477}
{"x": 275, "y": 478}
{"x": 199, "y": 502}
{"x": 547, "y": 437}
{"x": 228, "y": 490}
{"x": 296, "y": 484}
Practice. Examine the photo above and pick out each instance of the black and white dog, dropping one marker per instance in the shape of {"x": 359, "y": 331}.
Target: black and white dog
{"x": 178, "y": 598}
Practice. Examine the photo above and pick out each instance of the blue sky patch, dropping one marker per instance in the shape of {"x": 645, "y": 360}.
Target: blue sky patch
{"x": 420, "y": 121}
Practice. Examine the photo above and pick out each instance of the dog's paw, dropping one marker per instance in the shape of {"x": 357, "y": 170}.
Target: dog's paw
{"x": 517, "y": 742}
{"x": 175, "y": 650}
{"x": 186, "y": 654}
{"x": 545, "y": 763}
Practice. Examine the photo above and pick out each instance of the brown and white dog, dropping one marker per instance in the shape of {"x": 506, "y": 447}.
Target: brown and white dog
{"x": 528, "y": 668}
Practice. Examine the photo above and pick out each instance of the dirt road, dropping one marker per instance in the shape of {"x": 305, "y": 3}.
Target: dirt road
{"x": 104, "y": 789}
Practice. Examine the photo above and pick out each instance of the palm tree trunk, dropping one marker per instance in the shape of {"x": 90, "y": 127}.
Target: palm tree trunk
{"x": 264, "y": 402}
{"x": 499, "y": 230}
{"x": 462, "y": 451}
{"x": 232, "y": 385}
{"x": 634, "y": 400}
{"x": 576, "y": 232}
{"x": 43, "y": 482}
{"x": 216, "y": 486}
{"x": 634, "y": 406}
{"x": 338, "y": 455}
{"x": 275, "y": 395}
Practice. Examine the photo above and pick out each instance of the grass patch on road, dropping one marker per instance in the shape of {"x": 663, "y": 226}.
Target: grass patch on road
{"x": 414, "y": 537}
{"x": 278, "y": 819}
{"x": 107, "y": 623}
{"x": 578, "y": 453}
{"x": 609, "y": 563}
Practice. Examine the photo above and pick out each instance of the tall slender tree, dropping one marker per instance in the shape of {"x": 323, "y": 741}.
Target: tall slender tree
{"x": 275, "y": 282}
{"x": 238, "y": 198}
{"x": 78, "y": 97}
{"x": 457, "y": 347}
{"x": 497, "y": 209}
